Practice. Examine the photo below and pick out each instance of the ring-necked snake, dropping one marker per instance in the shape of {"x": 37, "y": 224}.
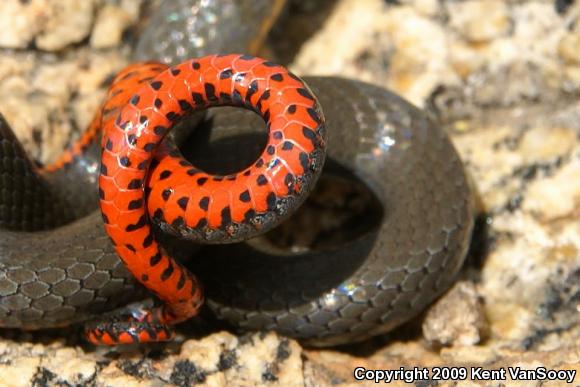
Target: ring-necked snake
{"x": 365, "y": 287}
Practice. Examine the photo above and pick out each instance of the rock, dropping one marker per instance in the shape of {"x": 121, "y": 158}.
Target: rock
{"x": 568, "y": 47}
{"x": 457, "y": 318}
{"x": 555, "y": 196}
{"x": 429, "y": 8}
{"x": 18, "y": 24}
{"x": 219, "y": 359}
{"x": 67, "y": 22}
{"x": 109, "y": 26}
{"x": 329, "y": 42}
{"x": 388, "y": 48}
{"x": 466, "y": 18}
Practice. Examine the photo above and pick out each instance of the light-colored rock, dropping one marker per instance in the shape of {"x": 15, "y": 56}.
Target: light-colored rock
{"x": 67, "y": 22}
{"x": 18, "y": 24}
{"x": 568, "y": 47}
{"x": 429, "y": 8}
{"x": 556, "y": 196}
{"x": 457, "y": 318}
{"x": 109, "y": 26}
{"x": 545, "y": 144}
{"x": 20, "y": 371}
{"x": 466, "y": 18}
{"x": 330, "y": 41}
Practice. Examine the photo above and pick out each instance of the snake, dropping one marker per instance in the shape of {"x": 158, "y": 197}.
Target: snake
{"x": 54, "y": 277}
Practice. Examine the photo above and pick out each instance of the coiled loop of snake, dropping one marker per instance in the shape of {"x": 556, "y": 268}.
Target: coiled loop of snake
{"x": 234, "y": 206}
{"x": 364, "y": 287}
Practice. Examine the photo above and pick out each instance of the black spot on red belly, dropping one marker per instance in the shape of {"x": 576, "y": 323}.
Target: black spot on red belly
{"x": 135, "y": 184}
{"x": 249, "y": 215}
{"x": 201, "y": 224}
{"x": 226, "y": 74}
{"x": 204, "y": 203}
{"x": 134, "y": 100}
{"x": 252, "y": 89}
{"x": 311, "y": 135}
{"x": 261, "y": 180}
{"x": 236, "y": 98}
{"x": 195, "y": 65}
{"x": 175, "y": 71}
{"x": 184, "y": 105}
{"x": 140, "y": 223}
{"x": 178, "y": 222}
{"x": 303, "y": 92}
{"x": 158, "y": 215}
{"x": 148, "y": 241}
{"x": 158, "y": 103}
{"x": 314, "y": 115}
{"x": 135, "y": 204}
{"x": 154, "y": 260}
{"x": 165, "y": 174}
{"x": 167, "y": 272}
{"x": 201, "y": 181}
{"x": 125, "y": 161}
{"x": 304, "y": 161}
{"x": 271, "y": 201}
{"x": 132, "y": 139}
{"x": 210, "y": 92}
{"x": 166, "y": 193}
{"x": 182, "y": 202}
{"x": 181, "y": 281}
{"x": 197, "y": 98}
{"x": 156, "y": 85}
{"x": 226, "y": 216}
{"x": 171, "y": 116}
{"x": 245, "y": 196}
{"x": 277, "y": 77}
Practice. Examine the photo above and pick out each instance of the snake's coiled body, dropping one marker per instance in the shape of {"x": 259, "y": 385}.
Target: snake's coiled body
{"x": 52, "y": 277}
{"x": 370, "y": 285}
{"x": 373, "y": 283}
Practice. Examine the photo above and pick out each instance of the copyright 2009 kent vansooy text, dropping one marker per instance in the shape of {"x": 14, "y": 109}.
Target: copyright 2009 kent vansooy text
{"x": 411, "y": 375}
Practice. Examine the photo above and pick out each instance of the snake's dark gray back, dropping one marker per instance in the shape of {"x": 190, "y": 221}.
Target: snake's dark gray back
{"x": 51, "y": 276}
{"x": 181, "y": 29}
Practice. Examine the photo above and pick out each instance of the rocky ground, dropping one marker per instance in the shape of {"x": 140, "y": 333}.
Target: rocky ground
{"x": 502, "y": 76}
